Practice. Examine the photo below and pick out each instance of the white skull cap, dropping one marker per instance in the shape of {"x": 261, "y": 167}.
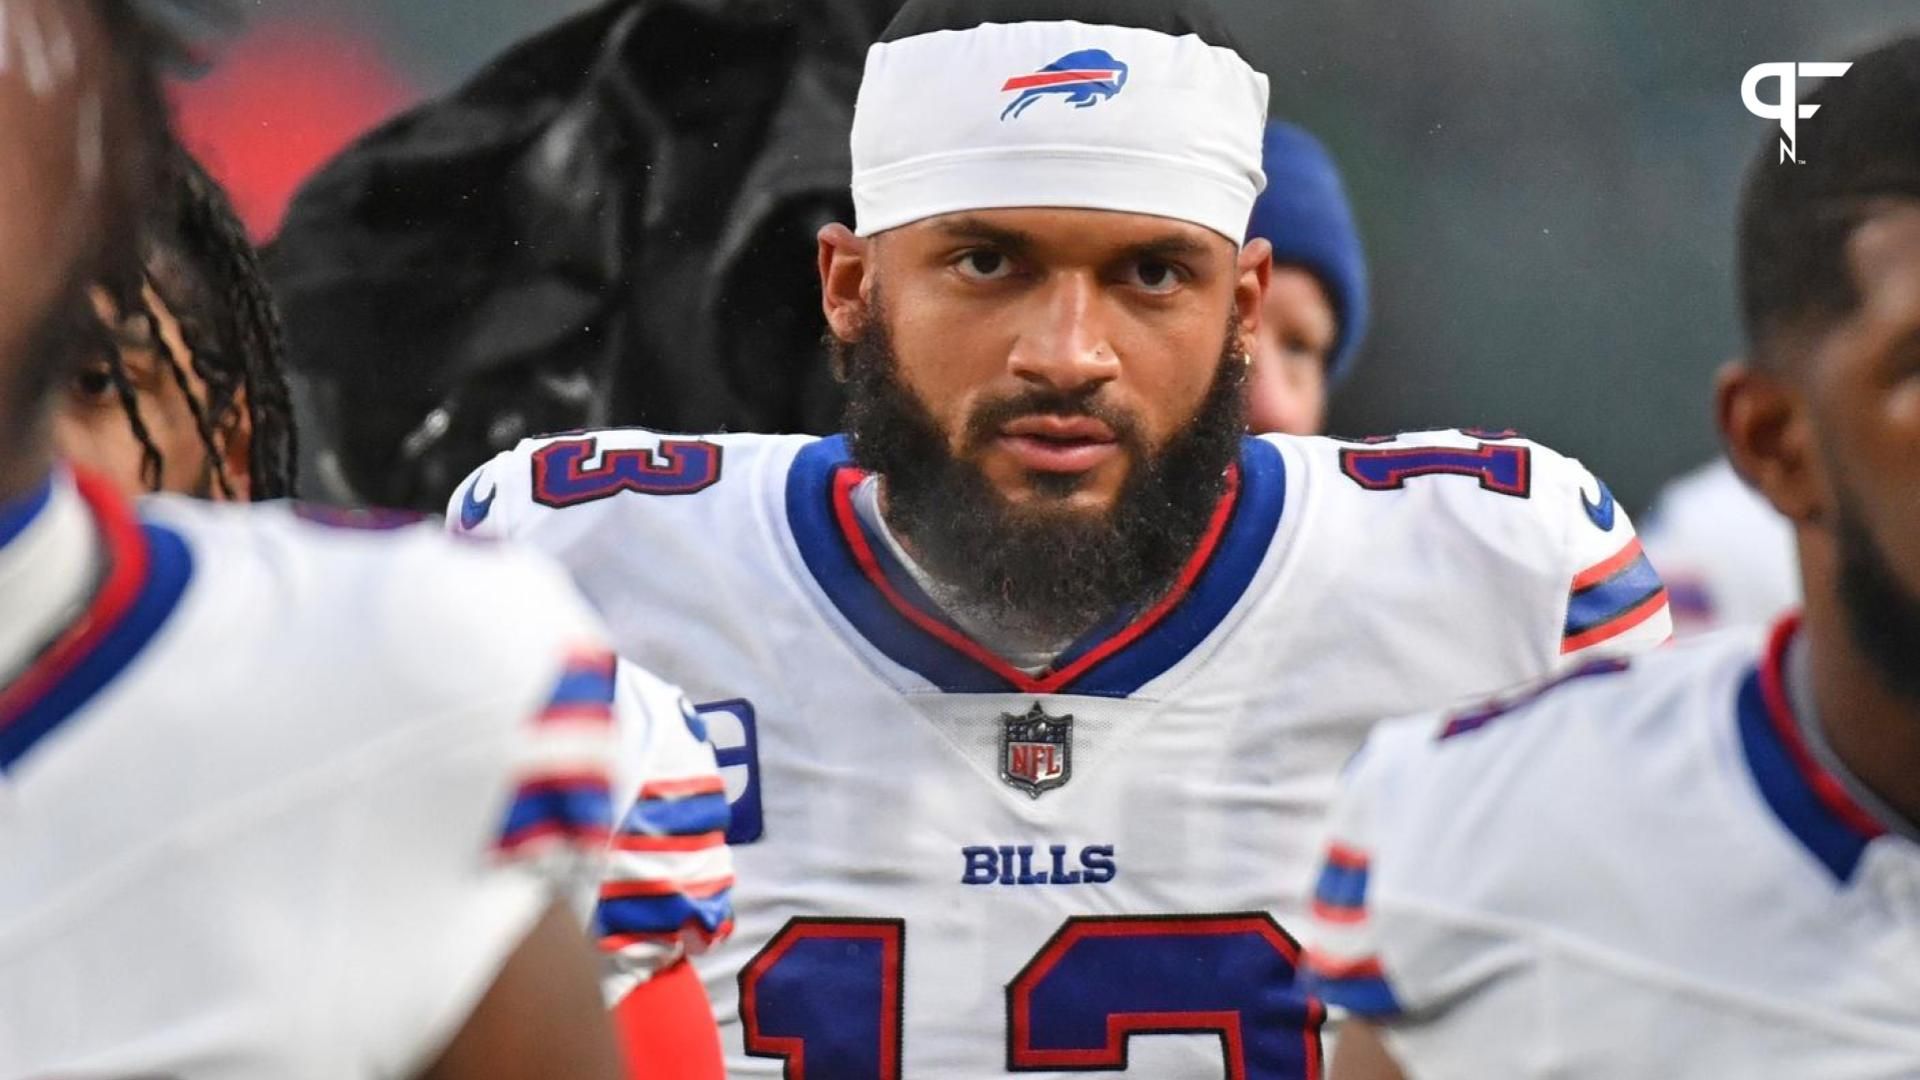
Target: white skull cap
{"x": 1057, "y": 114}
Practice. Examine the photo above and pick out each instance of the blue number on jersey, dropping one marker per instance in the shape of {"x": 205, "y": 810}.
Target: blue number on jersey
{"x": 1504, "y": 469}
{"x": 675, "y": 467}
{"x": 735, "y": 739}
{"x": 824, "y": 996}
{"x": 1104, "y": 979}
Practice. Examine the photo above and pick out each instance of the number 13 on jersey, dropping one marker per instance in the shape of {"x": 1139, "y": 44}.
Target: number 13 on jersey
{"x": 827, "y": 996}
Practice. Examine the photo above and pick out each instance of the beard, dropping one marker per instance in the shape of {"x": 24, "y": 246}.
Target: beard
{"x": 1882, "y": 614}
{"x": 1040, "y": 572}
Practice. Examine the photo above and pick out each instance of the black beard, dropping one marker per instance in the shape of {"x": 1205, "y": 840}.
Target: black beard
{"x": 1040, "y": 573}
{"x": 1883, "y": 616}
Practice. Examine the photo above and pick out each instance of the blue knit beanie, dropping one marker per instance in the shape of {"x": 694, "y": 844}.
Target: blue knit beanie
{"x": 1305, "y": 215}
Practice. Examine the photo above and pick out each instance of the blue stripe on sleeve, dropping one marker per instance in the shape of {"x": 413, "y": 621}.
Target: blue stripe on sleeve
{"x": 677, "y": 817}
{"x": 663, "y": 914}
{"x": 1371, "y": 997}
{"x": 573, "y": 807}
{"x": 1342, "y": 886}
{"x": 1607, "y": 600}
{"x": 583, "y": 686}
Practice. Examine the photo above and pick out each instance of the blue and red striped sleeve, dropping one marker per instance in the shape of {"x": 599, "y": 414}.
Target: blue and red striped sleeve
{"x": 1618, "y": 602}
{"x": 1343, "y": 966}
{"x": 667, "y": 891}
{"x": 563, "y": 795}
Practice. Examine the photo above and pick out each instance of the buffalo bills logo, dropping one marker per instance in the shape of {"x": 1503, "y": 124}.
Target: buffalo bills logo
{"x": 1084, "y": 78}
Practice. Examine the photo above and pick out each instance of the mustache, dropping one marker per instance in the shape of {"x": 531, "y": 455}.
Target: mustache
{"x": 989, "y": 417}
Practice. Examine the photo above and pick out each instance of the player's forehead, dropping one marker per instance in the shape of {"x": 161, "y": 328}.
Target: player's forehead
{"x": 1067, "y": 234}
{"x": 52, "y": 126}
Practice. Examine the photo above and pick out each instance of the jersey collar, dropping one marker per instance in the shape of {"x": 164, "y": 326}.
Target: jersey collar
{"x": 1808, "y": 799}
{"x": 147, "y": 569}
{"x": 886, "y": 608}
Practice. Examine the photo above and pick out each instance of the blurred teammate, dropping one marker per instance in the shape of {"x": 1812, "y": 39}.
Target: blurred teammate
{"x": 1726, "y": 554}
{"x": 189, "y": 392}
{"x": 1708, "y": 864}
{"x": 1012, "y": 682}
{"x": 1314, "y": 314}
{"x": 275, "y": 800}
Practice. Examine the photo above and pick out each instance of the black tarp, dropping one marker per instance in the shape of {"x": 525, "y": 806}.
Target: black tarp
{"x": 612, "y": 223}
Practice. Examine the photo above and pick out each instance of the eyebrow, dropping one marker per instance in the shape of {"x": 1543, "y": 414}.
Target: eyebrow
{"x": 1168, "y": 247}
{"x": 970, "y": 228}
{"x": 1016, "y": 241}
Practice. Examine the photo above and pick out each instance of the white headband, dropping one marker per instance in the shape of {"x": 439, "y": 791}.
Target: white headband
{"x": 1058, "y": 114}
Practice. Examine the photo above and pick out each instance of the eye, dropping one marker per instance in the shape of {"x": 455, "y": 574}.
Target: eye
{"x": 984, "y": 264}
{"x": 93, "y": 385}
{"x": 1155, "y": 276}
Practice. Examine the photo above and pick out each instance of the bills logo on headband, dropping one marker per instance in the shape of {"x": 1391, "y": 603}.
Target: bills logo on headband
{"x": 1083, "y": 78}
{"x": 1036, "y": 750}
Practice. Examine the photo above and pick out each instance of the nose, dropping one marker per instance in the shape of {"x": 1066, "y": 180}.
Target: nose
{"x": 1067, "y": 347}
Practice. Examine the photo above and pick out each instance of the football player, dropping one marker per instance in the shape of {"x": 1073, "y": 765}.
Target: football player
{"x": 275, "y": 799}
{"x": 1021, "y": 685}
{"x": 188, "y": 393}
{"x": 1705, "y": 864}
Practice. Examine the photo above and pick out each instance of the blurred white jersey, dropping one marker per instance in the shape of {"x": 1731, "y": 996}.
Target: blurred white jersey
{"x": 279, "y": 799}
{"x": 954, "y": 867}
{"x": 1638, "y": 872}
{"x": 1726, "y": 554}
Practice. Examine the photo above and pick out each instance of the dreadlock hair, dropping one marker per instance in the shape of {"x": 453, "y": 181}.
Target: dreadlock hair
{"x": 197, "y": 259}
{"x": 169, "y": 226}
{"x": 1796, "y": 219}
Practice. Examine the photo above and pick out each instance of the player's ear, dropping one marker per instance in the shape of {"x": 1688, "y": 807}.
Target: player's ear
{"x": 236, "y": 448}
{"x": 1769, "y": 439}
{"x": 844, "y": 268}
{"x": 1255, "y": 269}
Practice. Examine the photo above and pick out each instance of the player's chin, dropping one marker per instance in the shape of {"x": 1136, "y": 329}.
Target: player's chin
{"x": 1086, "y": 496}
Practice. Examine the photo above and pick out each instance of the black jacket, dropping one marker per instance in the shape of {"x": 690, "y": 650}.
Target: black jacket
{"x": 612, "y": 223}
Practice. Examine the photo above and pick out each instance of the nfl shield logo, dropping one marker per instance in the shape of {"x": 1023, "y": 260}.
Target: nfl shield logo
{"x": 1036, "y": 750}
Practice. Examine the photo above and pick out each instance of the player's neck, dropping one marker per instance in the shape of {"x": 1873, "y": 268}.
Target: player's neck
{"x": 1029, "y": 653}
{"x": 1873, "y": 729}
{"x": 21, "y": 507}
{"x": 22, "y": 475}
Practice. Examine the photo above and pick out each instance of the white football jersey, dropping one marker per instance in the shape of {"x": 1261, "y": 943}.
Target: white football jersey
{"x": 951, "y": 867}
{"x": 283, "y": 797}
{"x": 1726, "y": 554}
{"x": 1641, "y": 871}
{"x": 667, "y": 866}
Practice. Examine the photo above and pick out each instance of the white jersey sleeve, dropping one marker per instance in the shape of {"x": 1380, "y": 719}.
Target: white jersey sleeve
{"x": 667, "y": 890}
{"x": 499, "y": 805}
{"x": 1537, "y": 533}
{"x": 1374, "y": 964}
{"x": 1394, "y": 936}
{"x": 1616, "y": 602}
